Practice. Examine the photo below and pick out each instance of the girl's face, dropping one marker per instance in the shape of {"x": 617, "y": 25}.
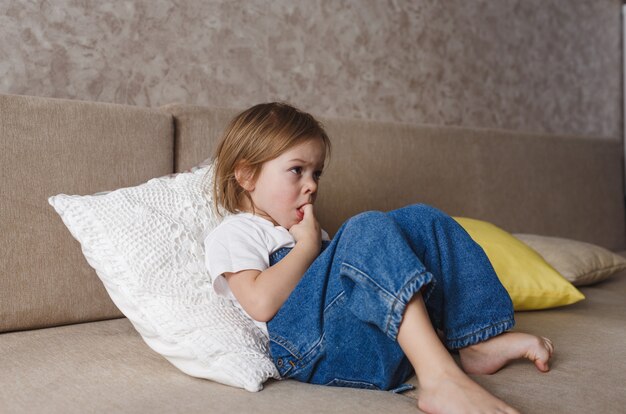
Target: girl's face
{"x": 287, "y": 183}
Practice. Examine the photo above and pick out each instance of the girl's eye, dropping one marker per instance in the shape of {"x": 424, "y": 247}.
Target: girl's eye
{"x": 298, "y": 171}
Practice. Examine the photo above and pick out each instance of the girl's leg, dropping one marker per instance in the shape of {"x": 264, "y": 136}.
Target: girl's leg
{"x": 444, "y": 388}
{"x": 384, "y": 279}
{"x": 468, "y": 302}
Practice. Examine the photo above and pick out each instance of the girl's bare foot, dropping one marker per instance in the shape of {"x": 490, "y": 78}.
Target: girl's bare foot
{"x": 489, "y": 356}
{"x": 457, "y": 393}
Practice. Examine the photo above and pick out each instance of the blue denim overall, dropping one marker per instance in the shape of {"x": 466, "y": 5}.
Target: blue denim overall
{"x": 339, "y": 325}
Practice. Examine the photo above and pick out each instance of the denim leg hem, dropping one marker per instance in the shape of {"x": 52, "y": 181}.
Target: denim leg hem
{"x": 402, "y": 299}
{"x": 481, "y": 335}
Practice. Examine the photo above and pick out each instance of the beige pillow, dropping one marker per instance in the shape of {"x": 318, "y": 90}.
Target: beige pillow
{"x": 579, "y": 262}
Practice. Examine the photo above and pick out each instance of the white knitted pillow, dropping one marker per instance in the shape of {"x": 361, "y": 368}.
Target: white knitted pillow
{"x": 146, "y": 245}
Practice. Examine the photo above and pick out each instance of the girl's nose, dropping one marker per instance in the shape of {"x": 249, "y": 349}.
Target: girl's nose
{"x": 311, "y": 186}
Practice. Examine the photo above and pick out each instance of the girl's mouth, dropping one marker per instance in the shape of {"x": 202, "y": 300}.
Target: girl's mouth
{"x": 300, "y": 213}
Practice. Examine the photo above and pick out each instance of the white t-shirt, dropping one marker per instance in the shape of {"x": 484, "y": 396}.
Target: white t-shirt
{"x": 243, "y": 241}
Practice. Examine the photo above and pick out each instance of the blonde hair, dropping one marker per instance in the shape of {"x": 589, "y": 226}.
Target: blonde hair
{"x": 255, "y": 136}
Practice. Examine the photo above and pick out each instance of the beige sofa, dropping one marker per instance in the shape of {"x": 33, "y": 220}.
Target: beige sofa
{"x": 64, "y": 346}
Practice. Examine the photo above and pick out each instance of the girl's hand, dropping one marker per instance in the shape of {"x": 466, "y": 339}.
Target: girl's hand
{"x": 308, "y": 230}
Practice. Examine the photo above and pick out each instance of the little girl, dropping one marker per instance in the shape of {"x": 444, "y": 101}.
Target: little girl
{"x": 366, "y": 309}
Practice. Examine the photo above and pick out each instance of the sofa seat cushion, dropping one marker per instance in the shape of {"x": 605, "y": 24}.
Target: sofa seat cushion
{"x": 107, "y": 367}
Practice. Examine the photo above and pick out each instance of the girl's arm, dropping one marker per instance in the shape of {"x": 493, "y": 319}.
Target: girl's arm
{"x": 261, "y": 294}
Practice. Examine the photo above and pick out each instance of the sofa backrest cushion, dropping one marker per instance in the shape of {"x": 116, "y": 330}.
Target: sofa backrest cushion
{"x": 527, "y": 183}
{"x": 52, "y": 146}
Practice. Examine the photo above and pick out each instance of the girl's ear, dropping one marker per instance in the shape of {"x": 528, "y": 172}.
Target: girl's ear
{"x": 244, "y": 175}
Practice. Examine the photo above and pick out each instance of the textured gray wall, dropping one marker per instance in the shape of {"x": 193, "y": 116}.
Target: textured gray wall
{"x": 536, "y": 65}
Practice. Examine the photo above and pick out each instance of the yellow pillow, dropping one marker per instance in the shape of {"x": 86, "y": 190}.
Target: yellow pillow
{"x": 531, "y": 282}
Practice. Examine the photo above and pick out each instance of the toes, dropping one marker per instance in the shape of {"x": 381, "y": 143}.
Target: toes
{"x": 549, "y": 345}
{"x": 542, "y": 366}
{"x": 541, "y": 359}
